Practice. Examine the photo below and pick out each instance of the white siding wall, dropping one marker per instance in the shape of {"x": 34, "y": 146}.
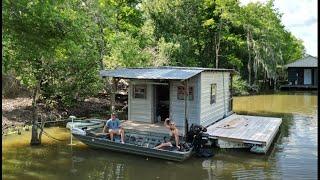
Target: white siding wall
{"x": 140, "y": 109}
{"x": 177, "y": 107}
{"x": 213, "y": 112}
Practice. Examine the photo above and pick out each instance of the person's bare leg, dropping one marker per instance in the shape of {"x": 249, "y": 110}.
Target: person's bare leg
{"x": 163, "y": 144}
{"x": 111, "y": 135}
{"x": 122, "y": 135}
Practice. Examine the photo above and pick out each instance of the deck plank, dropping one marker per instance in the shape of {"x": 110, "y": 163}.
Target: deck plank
{"x": 148, "y": 127}
{"x": 258, "y": 129}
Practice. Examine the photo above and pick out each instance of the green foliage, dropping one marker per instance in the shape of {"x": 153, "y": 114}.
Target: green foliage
{"x": 60, "y": 46}
{"x": 125, "y": 52}
{"x": 46, "y": 47}
{"x": 239, "y": 86}
{"x": 223, "y": 33}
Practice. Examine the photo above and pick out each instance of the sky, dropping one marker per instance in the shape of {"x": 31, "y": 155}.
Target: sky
{"x": 300, "y": 18}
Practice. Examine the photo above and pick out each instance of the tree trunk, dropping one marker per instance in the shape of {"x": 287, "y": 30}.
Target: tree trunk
{"x": 217, "y": 40}
{"x": 34, "y": 134}
{"x": 249, "y": 59}
{"x": 41, "y": 129}
{"x": 256, "y": 74}
{"x": 102, "y": 42}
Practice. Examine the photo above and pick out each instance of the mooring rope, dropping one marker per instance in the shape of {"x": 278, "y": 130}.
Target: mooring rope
{"x": 47, "y": 134}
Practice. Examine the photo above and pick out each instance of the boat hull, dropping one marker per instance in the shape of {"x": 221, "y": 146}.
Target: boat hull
{"x": 105, "y": 144}
{"x": 82, "y": 124}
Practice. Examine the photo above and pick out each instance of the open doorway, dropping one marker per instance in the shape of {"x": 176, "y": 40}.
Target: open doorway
{"x": 162, "y": 102}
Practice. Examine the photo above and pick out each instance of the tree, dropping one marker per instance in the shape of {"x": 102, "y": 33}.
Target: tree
{"x": 45, "y": 46}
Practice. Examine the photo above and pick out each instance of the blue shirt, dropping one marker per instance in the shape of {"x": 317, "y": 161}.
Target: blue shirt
{"x": 113, "y": 124}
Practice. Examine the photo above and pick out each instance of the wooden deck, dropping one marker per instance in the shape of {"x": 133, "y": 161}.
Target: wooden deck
{"x": 246, "y": 129}
{"x": 147, "y": 127}
{"x": 141, "y": 126}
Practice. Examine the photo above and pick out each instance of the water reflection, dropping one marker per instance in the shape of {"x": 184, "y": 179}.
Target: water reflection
{"x": 292, "y": 156}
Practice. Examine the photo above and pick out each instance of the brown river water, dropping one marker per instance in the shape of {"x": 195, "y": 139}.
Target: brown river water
{"x": 293, "y": 155}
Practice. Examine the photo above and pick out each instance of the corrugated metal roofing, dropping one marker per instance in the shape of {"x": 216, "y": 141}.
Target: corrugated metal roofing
{"x": 308, "y": 61}
{"x": 150, "y": 73}
{"x": 166, "y": 72}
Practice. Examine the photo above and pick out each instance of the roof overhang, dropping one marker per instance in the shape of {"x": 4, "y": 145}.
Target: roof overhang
{"x": 306, "y": 62}
{"x": 161, "y": 73}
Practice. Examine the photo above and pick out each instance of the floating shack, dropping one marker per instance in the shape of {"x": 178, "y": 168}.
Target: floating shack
{"x": 187, "y": 95}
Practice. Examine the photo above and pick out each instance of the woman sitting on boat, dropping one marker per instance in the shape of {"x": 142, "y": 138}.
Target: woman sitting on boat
{"x": 174, "y": 135}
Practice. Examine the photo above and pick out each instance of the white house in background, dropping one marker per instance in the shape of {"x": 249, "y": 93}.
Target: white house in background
{"x": 185, "y": 94}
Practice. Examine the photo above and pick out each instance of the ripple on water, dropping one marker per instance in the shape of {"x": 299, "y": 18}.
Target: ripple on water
{"x": 293, "y": 156}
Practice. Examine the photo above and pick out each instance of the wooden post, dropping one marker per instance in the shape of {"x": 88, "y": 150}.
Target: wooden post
{"x": 230, "y": 94}
{"x": 224, "y": 97}
{"x": 186, "y": 97}
{"x": 113, "y": 94}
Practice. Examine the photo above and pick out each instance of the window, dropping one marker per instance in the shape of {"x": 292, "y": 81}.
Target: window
{"x": 191, "y": 93}
{"x": 213, "y": 93}
{"x": 139, "y": 91}
{"x": 180, "y": 93}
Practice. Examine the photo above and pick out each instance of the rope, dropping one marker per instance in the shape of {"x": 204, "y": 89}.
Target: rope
{"x": 48, "y": 135}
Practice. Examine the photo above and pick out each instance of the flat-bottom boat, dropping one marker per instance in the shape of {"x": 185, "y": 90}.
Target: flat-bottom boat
{"x": 92, "y": 123}
{"x": 136, "y": 142}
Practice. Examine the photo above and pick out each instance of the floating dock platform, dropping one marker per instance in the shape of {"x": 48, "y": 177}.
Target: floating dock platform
{"x": 234, "y": 131}
{"x": 241, "y": 131}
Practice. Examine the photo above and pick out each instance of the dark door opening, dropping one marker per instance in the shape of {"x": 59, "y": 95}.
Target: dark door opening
{"x": 162, "y": 102}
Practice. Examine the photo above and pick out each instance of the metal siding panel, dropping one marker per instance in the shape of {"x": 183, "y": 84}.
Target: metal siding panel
{"x": 129, "y": 99}
{"x": 177, "y": 107}
{"x": 141, "y": 109}
{"x": 213, "y": 112}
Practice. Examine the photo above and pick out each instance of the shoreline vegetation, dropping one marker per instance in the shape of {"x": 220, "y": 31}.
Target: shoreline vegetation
{"x": 17, "y": 112}
{"x": 56, "y": 49}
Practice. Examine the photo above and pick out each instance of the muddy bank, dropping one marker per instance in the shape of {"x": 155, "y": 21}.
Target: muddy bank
{"x": 17, "y": 112}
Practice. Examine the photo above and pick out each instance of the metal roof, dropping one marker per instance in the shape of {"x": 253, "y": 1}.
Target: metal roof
{"x": 308, "y": 61}
{"x": 165, "y": 72}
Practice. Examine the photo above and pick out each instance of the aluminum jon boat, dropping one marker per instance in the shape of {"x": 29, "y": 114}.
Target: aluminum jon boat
{"x": 92, "y": 123}
{"x": 136, "y": 142}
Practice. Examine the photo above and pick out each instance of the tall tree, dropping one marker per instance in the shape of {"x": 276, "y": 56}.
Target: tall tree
{"x": 45, "y": 46}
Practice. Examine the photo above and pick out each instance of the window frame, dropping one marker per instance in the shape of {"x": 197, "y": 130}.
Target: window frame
{"x": 213, "y": 97}
{"x": 135, "y": 93}
{"x": 191, "y": 96}
{"x": 180, "y": 96}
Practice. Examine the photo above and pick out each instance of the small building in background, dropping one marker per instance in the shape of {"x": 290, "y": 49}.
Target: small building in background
{"x": 302, "y": 74}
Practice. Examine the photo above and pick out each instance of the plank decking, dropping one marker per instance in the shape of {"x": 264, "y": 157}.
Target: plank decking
{"x": 246, "y": 129}
{"x": 142, "y": 126}
{"x": 147, "y": 127}
{"x": 255, "y": 130}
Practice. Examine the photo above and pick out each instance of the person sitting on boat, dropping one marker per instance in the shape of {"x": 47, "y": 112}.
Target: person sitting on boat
{"x": 174, "y": 135}
{"x": 114, "y": 127}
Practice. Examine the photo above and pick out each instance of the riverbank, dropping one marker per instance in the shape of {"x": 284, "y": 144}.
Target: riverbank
{"x": 17, "y": 112}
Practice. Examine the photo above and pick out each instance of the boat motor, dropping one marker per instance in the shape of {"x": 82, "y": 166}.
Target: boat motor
{"x": 198, "y": 137}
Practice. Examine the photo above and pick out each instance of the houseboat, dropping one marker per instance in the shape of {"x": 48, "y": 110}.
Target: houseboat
{"x": 191, "y": 95}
